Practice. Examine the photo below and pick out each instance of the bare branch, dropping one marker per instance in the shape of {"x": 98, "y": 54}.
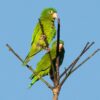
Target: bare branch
{"x": 83, "y": 51}
{"x": 71, "y": 66}
{"x": 29, "y": 67}
{"x": 75, "y": 68}
{"x": 85, "y": 60}
{"x": 88, "y": 47}
{"x": 64, "y": 79}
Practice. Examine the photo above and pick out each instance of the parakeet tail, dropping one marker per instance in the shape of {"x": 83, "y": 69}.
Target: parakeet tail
{"x": 32, "y": 76}
{"x": 33, "y": 81}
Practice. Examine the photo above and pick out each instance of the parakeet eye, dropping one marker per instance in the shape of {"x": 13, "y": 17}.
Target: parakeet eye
{"x": 50, "y": 12}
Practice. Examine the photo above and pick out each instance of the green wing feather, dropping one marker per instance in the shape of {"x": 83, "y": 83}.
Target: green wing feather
{"x": 35, "y": 33}
{"x": 45, "y": 61}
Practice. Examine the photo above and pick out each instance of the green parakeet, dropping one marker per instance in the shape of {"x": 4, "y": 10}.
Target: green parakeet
{"x": 44, "y": 67}
{"x": 47, "y": 19}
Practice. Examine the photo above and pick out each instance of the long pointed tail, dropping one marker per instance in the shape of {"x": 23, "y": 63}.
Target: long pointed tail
{"x": 32, "y": 76}
{"x": 36, "y": 78}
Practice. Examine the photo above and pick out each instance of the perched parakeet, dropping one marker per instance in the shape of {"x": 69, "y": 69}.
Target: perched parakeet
{"x": 44, "y": 67}
{"x": 47, "y": 19}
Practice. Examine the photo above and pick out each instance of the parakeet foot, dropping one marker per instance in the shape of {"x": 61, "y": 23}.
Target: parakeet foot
{"x": 40, "y": 46}
{"x": 43, "y": 37}
{"x": 44, "y": 47}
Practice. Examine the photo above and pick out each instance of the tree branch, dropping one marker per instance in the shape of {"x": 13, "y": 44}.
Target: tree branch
{"x": 29, "y": 67}
{"x": 75, "y": 68}
{"x": 83, "y": 52}
{"x": 71, "y": 66}
{"x": 85, "y": 60}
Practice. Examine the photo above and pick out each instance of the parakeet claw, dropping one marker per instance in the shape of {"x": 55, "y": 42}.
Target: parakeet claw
{"x": 43, "y": 37}
{"x": 40, "y": 46}
{"x": 44, "y": 47}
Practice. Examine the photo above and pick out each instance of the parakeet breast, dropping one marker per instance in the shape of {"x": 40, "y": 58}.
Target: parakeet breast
{"x": 49, "y": 29}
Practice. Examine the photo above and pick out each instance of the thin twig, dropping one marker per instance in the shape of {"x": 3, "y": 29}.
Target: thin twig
{"x": 71, "y": 66}
{"x": 85, "y": 60}
{"x": 83, "y": 51}
{"x": 75, "y": 68}
{"x": 89, "y": 46}
{"x": 29, "y": 67}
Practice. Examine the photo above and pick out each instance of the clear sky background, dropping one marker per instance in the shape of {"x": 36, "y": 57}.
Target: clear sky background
{"x": 80, "y": 23}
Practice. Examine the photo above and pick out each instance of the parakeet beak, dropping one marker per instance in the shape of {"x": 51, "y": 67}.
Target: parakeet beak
{"x": 60, "y": 47}
{"x": 55, "y": 15}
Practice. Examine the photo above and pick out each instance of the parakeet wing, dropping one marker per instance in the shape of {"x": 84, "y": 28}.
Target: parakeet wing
{"x": 45, "y": 61}
{"x": 35, "y": 32}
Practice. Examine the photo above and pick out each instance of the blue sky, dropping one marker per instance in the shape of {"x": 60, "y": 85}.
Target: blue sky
{"x": 80, "y": 22}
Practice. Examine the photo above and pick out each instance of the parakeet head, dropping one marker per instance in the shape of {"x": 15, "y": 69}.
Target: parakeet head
{"x": 61, "y": 45}
{"x": 49, "y": 13}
